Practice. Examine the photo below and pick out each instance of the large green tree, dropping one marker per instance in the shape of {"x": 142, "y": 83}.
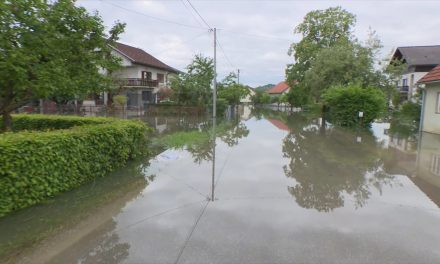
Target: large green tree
{"x": 50, "y": 49}
{"x": 194, "y": 86}
{"x": 342, "y": 64}
{"x": 320, "y": 29}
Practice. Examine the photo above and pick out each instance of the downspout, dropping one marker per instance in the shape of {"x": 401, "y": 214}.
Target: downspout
{"x": 422, "y": 117}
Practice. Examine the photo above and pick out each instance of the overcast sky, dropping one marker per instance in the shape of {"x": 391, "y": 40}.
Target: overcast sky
{"x": 255, "y": 35}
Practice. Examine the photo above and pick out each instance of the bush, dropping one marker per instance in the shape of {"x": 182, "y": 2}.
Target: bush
{"x": 35, "y": 165}
{"x": 345, "y": 102}
{"x": 51, "y": 122}
{"x": 410, "y": 111}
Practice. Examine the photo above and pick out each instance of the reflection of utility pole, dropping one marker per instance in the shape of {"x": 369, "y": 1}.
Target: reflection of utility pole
{"x": 238, "y": 76}
{"x": 213, "y": 159}
{"x": 214, "y": 114}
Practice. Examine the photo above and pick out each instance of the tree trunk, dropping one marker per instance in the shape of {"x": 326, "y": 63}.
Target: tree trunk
{"x": 7, "y": 122}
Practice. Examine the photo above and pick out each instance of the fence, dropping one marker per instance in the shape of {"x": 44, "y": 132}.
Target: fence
{"x": 124, "y": 112}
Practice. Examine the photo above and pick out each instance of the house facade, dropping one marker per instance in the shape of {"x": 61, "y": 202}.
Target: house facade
{"x": 419, "y": 61}
{"x": 141, "y": 76}
{"x": 430, "y": 115}
{"x": 279, "y": 89}
{"x": 248, "y": 98}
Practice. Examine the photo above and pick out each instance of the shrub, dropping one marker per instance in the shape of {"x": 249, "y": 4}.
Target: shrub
{"x": 35, "y": 165}
{"x": 50, "y": 122}
{"x": 345, "y": 102}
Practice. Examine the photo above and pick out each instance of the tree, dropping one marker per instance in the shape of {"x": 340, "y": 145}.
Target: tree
{"x": 49, "y": 49}
{"x": 320, "y": 29}
{"x": 231, "y": 91}
{"x": 342, "y": 64}
{"x": 194, "y": 87}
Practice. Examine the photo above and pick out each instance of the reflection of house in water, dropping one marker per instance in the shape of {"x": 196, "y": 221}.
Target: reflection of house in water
{"x": 245, "y": 112}
{"x": 428, "y": 166}
{"x": 279, "y": 124}
{"x": 403, "y": 144}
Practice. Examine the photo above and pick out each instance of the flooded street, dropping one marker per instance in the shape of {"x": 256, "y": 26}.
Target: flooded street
{"x": 272, "y": 188}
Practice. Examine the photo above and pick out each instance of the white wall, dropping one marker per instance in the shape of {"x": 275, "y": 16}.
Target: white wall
{"x": 431, "y": 119}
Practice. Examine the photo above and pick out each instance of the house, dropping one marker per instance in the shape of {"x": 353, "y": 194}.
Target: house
{"x": 419, "y": 61}
{"x": 430, "y": 116}
{"x": 279, "y": 89}
{"x": 248, "y": 98}
{"x": 141, "y": 76}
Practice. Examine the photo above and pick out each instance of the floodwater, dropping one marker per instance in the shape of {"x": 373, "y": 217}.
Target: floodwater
{"x": 271, "y": 188}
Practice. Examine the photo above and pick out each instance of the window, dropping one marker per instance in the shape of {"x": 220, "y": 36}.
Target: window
{"x": 146, "y": 96}
{"x": 160, "y": 78}
{"x": 146, "y": 75}
{"x": 435, "y": 164}
{"x": 404, "y": 82}
{"x": 437, "y": 105}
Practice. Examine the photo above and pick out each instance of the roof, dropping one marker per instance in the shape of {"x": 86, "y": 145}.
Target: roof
{"x": 139, "y": 56}
{"x": 279, "y": 124}
{"x": 419, "y": 55}
{"x": 279, "y": 88}
{"x": 432, "y": 76}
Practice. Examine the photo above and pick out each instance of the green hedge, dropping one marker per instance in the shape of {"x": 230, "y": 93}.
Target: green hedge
{"x": 49, "y": 122}
{"x": 35, "y": 165}
{"x": 345, "y": 103}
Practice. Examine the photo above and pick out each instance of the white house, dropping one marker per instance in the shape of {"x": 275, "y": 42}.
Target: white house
{"x": 279, "y": 89}
{"x": 248, "y": 98}
{"x": 419, "y": 61}
{"x": 141, "y": 76}
{"x": 430, "y": 116}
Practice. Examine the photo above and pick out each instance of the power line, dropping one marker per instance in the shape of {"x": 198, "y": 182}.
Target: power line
{"x": 224, "y": 54}
{"x": 204, "y": 21}
{"x": 151, "y": 17}
{"x": 192, "y": 13}
{"x": 186, "y": 41}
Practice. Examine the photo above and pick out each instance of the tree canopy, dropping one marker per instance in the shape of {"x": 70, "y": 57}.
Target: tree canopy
{"x": 320, "y": 29}
{"x": 51, "y": 48}
{"x": 194, "y": 87}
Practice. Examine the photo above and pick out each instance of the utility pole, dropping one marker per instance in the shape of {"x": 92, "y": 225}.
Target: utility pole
{"x": 214, "y": 93}
{"x": 238, "y": 76}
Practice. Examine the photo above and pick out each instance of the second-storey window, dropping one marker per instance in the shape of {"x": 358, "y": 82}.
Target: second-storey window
{"x": 160, "y": 78}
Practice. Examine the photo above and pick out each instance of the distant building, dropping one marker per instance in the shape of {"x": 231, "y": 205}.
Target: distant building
{"x": 419, "y": 60}
{"x": 279, "y": 89}
{"x": 248, "y": 98}
{"x": 141, "y": 76}
{"x": 430, "y": 116}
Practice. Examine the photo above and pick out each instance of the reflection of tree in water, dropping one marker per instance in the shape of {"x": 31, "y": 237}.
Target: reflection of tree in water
{"x": 228, "y": 132}
{"x": 328, "y": 165}
{"x": 108, "y": 249}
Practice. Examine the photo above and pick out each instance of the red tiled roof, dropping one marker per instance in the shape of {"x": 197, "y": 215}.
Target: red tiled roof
{"x": 279, "y": 124}
{"x": 139, "y": 56}
{"x": 279, "y": 88}
{"x": 433, "y": 75}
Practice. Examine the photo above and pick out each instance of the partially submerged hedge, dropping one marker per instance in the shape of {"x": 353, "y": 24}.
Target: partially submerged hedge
{"x": 50, "y": 122}
{"x": 35, "y": 165}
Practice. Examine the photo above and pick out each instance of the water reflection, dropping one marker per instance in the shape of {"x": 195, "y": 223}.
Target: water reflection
{"x": 427, "y": 177}
{"x": 329, "y": 165}
{"x": 89, "y": 207}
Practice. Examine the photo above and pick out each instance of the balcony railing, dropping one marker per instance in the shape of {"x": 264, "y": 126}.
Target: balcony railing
{"x": 136, "y": 82}
{"x": 403, "y": 89}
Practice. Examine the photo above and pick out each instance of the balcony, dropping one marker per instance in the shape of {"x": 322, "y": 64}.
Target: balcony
{"x": 403, "y": 89}
{"x": 136, "y": 82}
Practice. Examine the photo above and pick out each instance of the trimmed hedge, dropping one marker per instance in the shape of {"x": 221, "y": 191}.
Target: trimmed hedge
{"x": 36, "y": 165}
{"x": 50, "y": 122}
